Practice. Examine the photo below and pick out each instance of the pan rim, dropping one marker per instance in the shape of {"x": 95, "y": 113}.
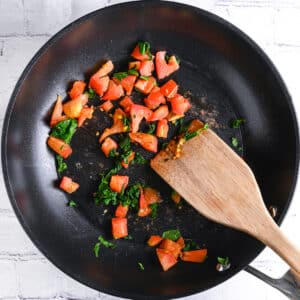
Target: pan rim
{"x": 128, "y": 5}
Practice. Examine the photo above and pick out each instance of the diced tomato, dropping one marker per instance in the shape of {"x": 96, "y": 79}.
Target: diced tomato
{"x": 57, "y": 112}
{"x": 164, "y": 69}
{"x": 146, "y": 68}
{"x": 145, "y": 86}
{"x": 155, "y": 98}
{"x": 118, "y": 125}
{"x": 134, "y": 65}
{"x": 106, "y": 106}
{"x": 128, "y": 83}
{"x": 105, "y": 69}
{"x": 73, "y": 107}
{"x": 154, "y": 240}
{"x": 171, "y": 246}
{"x": 108, "y": 145}
{"x": 147, "y": 141}
{"x": 59, "y": 146}
{"x": 179, "y": 104}
{"x": 77, "y": 89}
{"x": 169, "y": 89}
{"x": 180, "y": 242}
{"x": 121, "y": 211}
{"x": 162, "y": 128}
{"x": 166, "y": 259}
{"x": 137, "y": 113}
{"x": 160, "y": 113}
{"x": 114, "y": 91}
{"x": 99, "y": 84}
{"x": 151, "y": 195}
{"x": 130, "y": 158}
{"x": 196, "y": 256}
{"x": 119, "y": 227}
{"x": 175, "y": 197}
{"x": 86, "y": 113}
{"x": 126, "y": 102}
{"x": 172, "y": 117}
{"x": 144, "y": 209}
{"x": 118, "y": 183}
{"x": 137, "y": 54}
{"x": 68, "y": 185}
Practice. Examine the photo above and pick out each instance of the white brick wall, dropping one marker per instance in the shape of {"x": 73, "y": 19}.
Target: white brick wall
{"x": 26, "y": 25}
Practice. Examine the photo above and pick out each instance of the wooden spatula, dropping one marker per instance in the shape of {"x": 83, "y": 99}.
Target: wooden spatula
{"x": 220, "y": 185}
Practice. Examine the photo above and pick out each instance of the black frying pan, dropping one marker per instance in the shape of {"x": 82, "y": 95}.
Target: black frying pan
{"x": 228, "y": 75}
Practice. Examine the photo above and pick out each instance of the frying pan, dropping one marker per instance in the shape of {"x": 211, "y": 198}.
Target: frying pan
{"x": 227, "y": 76}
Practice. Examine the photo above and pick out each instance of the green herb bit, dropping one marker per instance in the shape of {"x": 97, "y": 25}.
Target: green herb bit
{"x": 91, "y": 93}
{"x": 223, "y": 261}
{"x": 113, "y": 153}
{"x": 133, "y": 72}
{"x": 64, "y": 130}
{"x": 173, "y": 234}
{"x": 144, "y": 47}
{"x": 96, "y": 249}
{"x": 167, "y": 57}
{"x": 126, "y": 121}
{"x": 141, "y": 266}
{"x": 120, "y": 75}
{"x": 179, "y": 122}
{"x": 73, "y": 203}
{"x": 234, "y": 142}
{"x": 164, "y": 145}
{"x": 190, "y": 135}
{"x": 177, "y": 59}
{"x": 128, "y": 237}
{"x": 103, "y": 242}
{"x": 139, "y": 159}
{"x": 236, "y": 123}
{"x": 190, "y": 245}
{"x": 131, "y": 196}
{"x": 153, "y": 207}
{"x": 151, "y": 129}
{"x": 61, "y": 165}
{"x": 144, "y": 77}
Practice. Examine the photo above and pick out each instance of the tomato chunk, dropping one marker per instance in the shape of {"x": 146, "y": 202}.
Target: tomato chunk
{"x": 137, "y": 54}
{"x": 68, "y": 185}
{"x": 181, "y": 242}
{"x": 126, "y": 102}
{"x": 196, "y": 256}
{"x": 114, "y": 91}
{"x": 106, "y": 106}
{"x": 128, "y": 83}
{"x": 147, "y": 141}
{"x": 151, "y": 195}
{"x": 137, "y": 113}
{"x": 77, "y": 89}
{"x": 173, "y": 117}
{"x": 154, "y": 240}
{"x": 169, "y": 89}
{"x": 166, "y": 259}
{"x": 180, "y": 105}
{"x": 155, "y": 98}
{"x": 171, "y": 246}
{"x": 146, "y": 68}
{"x": 119, "y": 227}
{"x": 145, "y": 86}
{"x": 59, "y": 146}
{"x": 106, "y": 68}
{"x": 108, "y": 145}
{"x": 162, "y": 128}
{"x": 164, "y": 69}
{"x": 130, "y": 158}
{"x": 160, "y": 113}
{"x": 144, "y": 209}
{"x": 175, "y": 197}
{"x": 57, "y": 112}
{"x": 118, "y": 125}
{"x": 118, "y": 183}
{"x": 73, "y": 107}
{"x": 99, "y": 84}
{"x": 134, "y": 65}
{"x": 86, "y": 113}
{"x": 121, "y": 211}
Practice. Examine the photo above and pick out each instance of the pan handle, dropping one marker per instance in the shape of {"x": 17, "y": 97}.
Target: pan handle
{"x": 288, "y": 284}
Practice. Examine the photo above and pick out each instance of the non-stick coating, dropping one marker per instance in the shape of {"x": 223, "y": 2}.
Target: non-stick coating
{"x": 228, "y": 76}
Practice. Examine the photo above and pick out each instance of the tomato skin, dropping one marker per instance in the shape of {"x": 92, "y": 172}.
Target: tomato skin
{"x": 59, "y": 146}
{"x": 114, "y": 91}
{"x": 155, "y": 98}
{"x": 118, "y": 183}
{"x": 77, "y": 89}
{"x": 144, "y": 209}
{"x": 162, "y": 128}
{"x": 99, "y": 84}
{"x": 106, "y": 68}
{"x": 86, "y": 113}
{"x": 171, "y": 246}
{"x": 154, "y": 240}
{"x": 126, "y": 103}
{"x": 173, "y": 117}
{"x": 179, "y": 104}
{"x": 128, "y": 83}
{"x": 169, "y": 89}
{"x": 164, "y": 69}
{"x": 73, "y": 107}
{"x": 137, "y": 54}
{"x": 145, "y": 86}
{"x": 160, "y": 113}
{"x": 106, "y": 106}
{"x": 196, "y": 256}
{"x": 146, "y": 68}
{"x": 166, "y": 259}
{"x": 108, "y": 145}
{"x": 130, "y": 158}
{"x": 121, "y": 211}
{"x": 147, "y": 141}
{"x": 119, "y": 227}
{"x": 137, "y": 113}
{"x": 68, "y": 185}
{"x": 181, "y": 242}
{"x": 56, "y": 115}
{"x": 151, "y": 195}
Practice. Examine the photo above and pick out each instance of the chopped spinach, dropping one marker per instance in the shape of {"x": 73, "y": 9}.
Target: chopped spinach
{"x": 151, "y": 128}
{"x": 103, "y": 242}
{"x": 64, "y": 130}
{"x": 139, "y": 159}
{"x": 234, "y": 142}
{"x": 173, "y": 234}
{"x": 61, "y": 165}
{"x": 236, "y": 123}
